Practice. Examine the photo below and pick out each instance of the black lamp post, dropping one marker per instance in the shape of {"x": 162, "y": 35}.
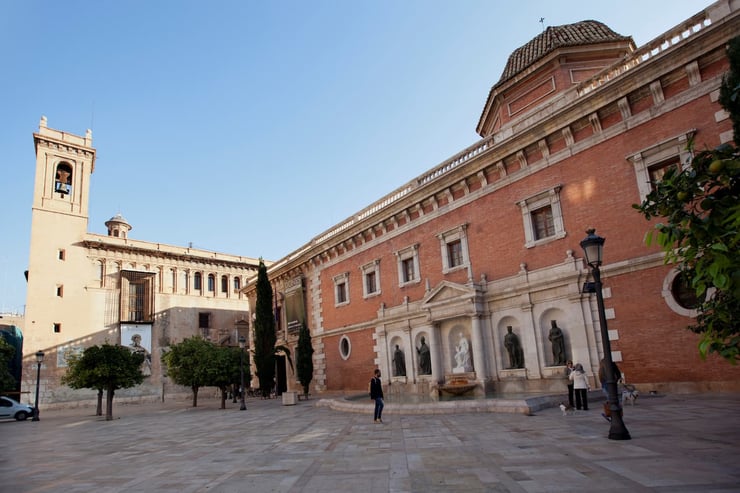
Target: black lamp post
{"x": 593, "y": 247}
{"x": 39, "y": 360}
{"x": 243, "y": 390}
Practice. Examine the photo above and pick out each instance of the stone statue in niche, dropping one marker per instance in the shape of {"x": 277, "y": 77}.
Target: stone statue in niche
{"x": 514, "y": 348}
{"x": 425, "y": 358}
{"x": 399, "y": 362}
{"x": 462, "y": 356}
{"x": 558, "y": 344}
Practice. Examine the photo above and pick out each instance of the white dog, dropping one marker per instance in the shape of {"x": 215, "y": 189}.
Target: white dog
{"x": 566, "y": 409}
{"x": 630, "y": 394}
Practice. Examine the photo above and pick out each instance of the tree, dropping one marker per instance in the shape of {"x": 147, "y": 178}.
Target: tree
{"x": 189, "y": 363}
{"x": 109, "y": 367}
{"x": 701, "y": 235}
{"x": 304, "y": 358}
{"x": 224, "y": 370}
{"x": 264, "y": 332}
{"x": 7, "y": 381}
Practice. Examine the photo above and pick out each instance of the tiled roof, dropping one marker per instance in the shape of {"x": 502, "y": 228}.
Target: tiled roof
{"x": 554, "y": 37}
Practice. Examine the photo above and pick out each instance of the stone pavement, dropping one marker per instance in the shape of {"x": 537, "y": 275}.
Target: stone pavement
{"x": 680, "y": 443}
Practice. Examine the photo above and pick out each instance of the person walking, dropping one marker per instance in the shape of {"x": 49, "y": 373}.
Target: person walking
{"x": 376, "y": 394}
{"x": 580, "y": 386}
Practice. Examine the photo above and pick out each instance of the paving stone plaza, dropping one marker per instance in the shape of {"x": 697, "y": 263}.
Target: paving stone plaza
{"x": 680, "y": 443}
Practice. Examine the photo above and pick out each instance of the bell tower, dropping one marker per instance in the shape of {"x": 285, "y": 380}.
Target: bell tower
{"x": 59, "y": 218}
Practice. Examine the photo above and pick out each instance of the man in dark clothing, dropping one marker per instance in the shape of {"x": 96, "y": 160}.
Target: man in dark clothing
{"x": 376, "y": 394}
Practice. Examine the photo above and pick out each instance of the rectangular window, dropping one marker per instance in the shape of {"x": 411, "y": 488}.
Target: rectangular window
{"x": 137, "y": 296}
{"x": 57, "y": 328}
{"x": 370, "y": 285}
{"x": 407, "y": 270}
{"x": 544, "y": 225}
{"x": 455, "y": 253}
{"x": 341, "y": 292}
{"x": 542, "y": 217}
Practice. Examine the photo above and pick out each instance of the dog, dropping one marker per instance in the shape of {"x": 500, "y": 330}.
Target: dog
{"x": 630, "y": 394}
{"x": 567, "y": 409}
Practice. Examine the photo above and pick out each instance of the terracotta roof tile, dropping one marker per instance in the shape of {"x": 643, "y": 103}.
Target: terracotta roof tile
{"x": 554, "y": 37}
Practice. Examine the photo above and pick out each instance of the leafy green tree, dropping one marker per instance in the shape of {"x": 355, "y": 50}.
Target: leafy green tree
{"x": 701, "y": 233}
{"x": 110, "y": 367}
{"x": 264, "y": 332}
{"x": 190, "y": 363}
{"x": 7, "y": 381}
{"x": 224, "y": 370}
{"x": 304, "y": 358}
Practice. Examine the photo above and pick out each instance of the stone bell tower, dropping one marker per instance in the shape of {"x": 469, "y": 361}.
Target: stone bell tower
{"x": 58, "y": 268}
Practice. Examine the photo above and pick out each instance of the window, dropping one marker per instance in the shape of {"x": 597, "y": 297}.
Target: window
{"x": 371, "y": 279}
{"x": 345, "y": 347}
{"x": 224, "y": 284}
{"x": 657, "y": 171}
{"x": 237, "y": 284}
{"x": 544, "y": 225}
{"x": 63, "y": 179}
{"x": 211, "y": 283}
{"x": 454, "y": 248}
{"x": 651, "y": 164}
{"x": 542, "y": 217}
{"x": 137, "y": 300}
{"x": 57, "y": 328}
{"x": 341, "y": 289}
{"x": 60, "y": 291}
{"x": 197, "y": 281}
{"x": 408, "y": 265}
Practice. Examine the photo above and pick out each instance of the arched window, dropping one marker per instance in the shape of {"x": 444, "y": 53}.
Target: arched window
{"x": 63, "y": 179}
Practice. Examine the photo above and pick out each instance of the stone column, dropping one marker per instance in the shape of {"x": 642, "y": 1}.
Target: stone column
{"x": 479, "y": 361}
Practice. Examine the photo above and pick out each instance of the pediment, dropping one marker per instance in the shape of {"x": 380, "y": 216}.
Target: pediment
{"x": 447, "y": 292}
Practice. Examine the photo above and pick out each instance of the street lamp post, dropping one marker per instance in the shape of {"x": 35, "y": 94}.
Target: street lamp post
{"x": 593, "y": 246}
{"x": 243, "y": 390}
{"x": 39, "y": 360}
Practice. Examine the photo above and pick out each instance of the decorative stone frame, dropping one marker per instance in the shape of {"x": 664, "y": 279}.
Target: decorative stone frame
{"x": 458, "y": 233}
{"x": 345, "y": 347}
{"x": 662, "y": 151}
{"x": 371, "y": 268}
{"x": 339, "y": 281}
{"x": 407, "y": 253}
{"x": 551, "y": 198}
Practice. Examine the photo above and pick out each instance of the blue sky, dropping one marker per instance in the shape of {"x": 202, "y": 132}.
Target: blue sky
{"x": 250, "y": 127}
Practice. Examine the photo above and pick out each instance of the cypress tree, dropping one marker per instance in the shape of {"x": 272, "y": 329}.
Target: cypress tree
{"x": 304, "y": 359}
{"x": 264, "y": 332}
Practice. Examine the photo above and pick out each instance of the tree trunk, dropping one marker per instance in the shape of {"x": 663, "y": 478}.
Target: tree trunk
{"x": 99, "y": 410}
{"x": 195, "y": 395}
{"x": 109, "y": 404}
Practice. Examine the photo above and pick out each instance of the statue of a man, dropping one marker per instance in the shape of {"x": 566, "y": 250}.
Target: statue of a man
{"x": 399, "y": 362}
{"x": 558, "y": 344}
{"x": 514, "y": 348}
{"x": 425, "y": 359}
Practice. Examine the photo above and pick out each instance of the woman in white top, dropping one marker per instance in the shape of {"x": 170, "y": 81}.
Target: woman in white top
{"x": 580, "y": 386}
